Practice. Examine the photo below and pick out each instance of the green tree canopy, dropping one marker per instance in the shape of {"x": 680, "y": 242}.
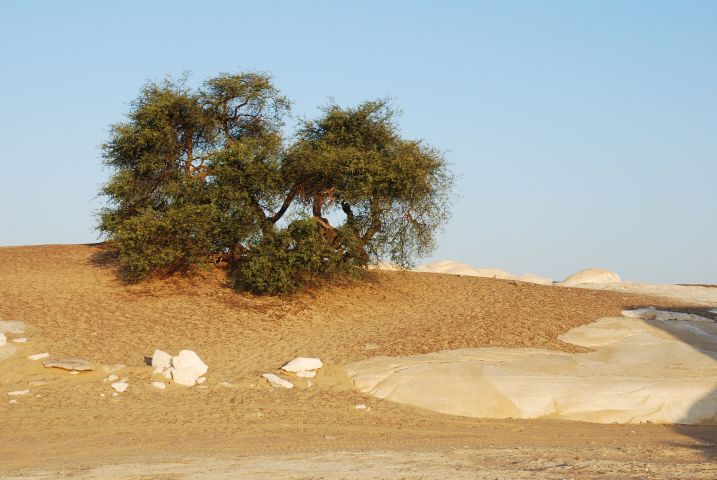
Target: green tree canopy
{"x": 206, "y": 173}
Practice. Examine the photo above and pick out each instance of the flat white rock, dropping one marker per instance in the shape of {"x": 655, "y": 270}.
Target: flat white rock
{"x": 201, "y": 380}
{"x": 111, "y": 378}
{"x": 277, "y": 381}
{"x": 38, "y": 356}
{"x": 18, "y": 392}
{"x": 69, "y": 363}
{"x": 306, "y": 374}
{"x": 655, "y": 366}
{"x": 160, "y": 385}
{"x": 120, "y": 386}
{"x": 592, "y": 275}
{"x": 19, "y": 340}
{"x": 302, "y": 364}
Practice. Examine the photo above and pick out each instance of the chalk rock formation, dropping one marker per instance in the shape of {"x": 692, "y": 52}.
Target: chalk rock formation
{"x": 38, "y": 356}
{"x": 457, "y": 268}
{"x": 302, "y": 364}
{"x": 533, "y": 278}
{"x": 161, "y": 359}
{"x": 592, "y": 275}
{"x": 661, "y": 368}
{"x": 69, "y": 363}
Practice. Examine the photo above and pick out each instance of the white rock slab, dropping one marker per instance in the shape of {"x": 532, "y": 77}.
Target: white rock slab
{"x": 277, "y": 381}
{"x": 120, "y": 386}
{"x": 201, "y": 380}
{"x": 69, "y": 363}
{"x": 18, "y": 392}
{"x": 161, "y": 359}
{"x": 302, "y": 364}
{"x": 306, "y": 374}
{"x": 592, "y": 275}
{"x": 160, "y": 385}
{"x": 38, "y": 356}
{"x": 659, "y": 369}
{"x": 20, "y": 340}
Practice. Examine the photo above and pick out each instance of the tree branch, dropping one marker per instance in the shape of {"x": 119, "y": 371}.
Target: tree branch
{"x": 285, "y": 206}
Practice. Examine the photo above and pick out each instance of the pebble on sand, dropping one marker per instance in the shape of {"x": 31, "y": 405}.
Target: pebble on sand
{"x": 160, "y": 385}
{"x": 302, "y": 364}
{"x": 38, "y": 356}
{"x": 19, "y": 340}
{"x": 277, "y": 381}
{"x": 120, "y": 386}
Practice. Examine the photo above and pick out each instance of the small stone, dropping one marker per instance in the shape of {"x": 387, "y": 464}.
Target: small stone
{"x": 360, "y": 406}
{"x": 102, "y": 395}
{"x": 74, "y": 372}
{"x": 371, "y": 346}
{"x": 277, "y": 381}
{"x": 161, "y": 359}
{"x": 69, "y": 363}
{"x": 120, "y": 386}
{"x": 111, "y": 378}
{"x": 18, "y": 392}
{"x": 201, "y": 380}
{"x": 300, "y": 364}
{"x": 19, "y": 340}
{"x": 306, "y": 374}
{"x": 188, "y": 367}
{"x": 12, "y": 401}
{"x": 226, "y": 384}
{"x": 38, "y": 356}
{"x": 160, "y": 385}
{"x": 115, "y": 394}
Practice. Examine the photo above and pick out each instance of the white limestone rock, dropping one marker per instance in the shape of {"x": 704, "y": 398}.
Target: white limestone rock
{"x": 457, "y": 268}
{"x": 120, "y": 386}
{"x": 277, "y": 381}
{"x": 69, "y": 363}
{"x": 201, "y": 380}
{"x": 361, "y": 406}
{"x": 167, "y": 373}
{"x": 161, "y": 359}
{"x": 302, "y": 364}
{"x": 19, "y": 340}
{"x": 111, "y": 378}
{"x": 306, "y": 374}
{"x": 661, "y": 368}
{"x": 18, "y": 392}
{"x": 159, "y": 385}
{"x": 38, "y": 356}
{"x": 188, "y": 367}
{"x": 592, "y": 275}
{"x": 537, "y": 279}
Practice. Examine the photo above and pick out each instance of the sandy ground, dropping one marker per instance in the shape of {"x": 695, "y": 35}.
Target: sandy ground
{"x": 74, "y": 305}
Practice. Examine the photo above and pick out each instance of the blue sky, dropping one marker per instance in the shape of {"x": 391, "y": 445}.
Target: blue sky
{"x": 584, "y": 133}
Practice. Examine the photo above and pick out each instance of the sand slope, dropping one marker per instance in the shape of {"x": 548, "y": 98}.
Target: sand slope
{"x": 74, "y": 305}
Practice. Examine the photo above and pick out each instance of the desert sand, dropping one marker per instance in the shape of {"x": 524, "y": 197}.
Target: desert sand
{"x": 236, "y": 426}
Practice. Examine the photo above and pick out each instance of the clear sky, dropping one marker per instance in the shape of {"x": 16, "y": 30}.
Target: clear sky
{"x": 584, "y": 133}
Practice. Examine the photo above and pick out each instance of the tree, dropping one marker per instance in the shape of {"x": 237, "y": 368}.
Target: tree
{"x": 207, "y": 173}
